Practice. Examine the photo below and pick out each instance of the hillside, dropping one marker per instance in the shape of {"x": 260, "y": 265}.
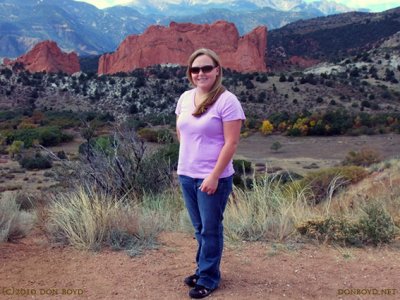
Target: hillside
{"x": 366, "y": 82}
{"x": 331, "y": 38}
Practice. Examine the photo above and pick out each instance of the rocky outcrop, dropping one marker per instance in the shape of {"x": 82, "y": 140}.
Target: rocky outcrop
{"x": 47, "y": 56}
{"x": 174, "y": 44}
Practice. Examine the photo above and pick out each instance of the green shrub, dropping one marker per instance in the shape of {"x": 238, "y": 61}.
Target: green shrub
{"x": 15, "y": 148}
{"x": 46, "y": 136}
{"x": 38, "y": 161}
{"x": 377, "y": 225}
{"x": 52, "y": 136}
{"x": 241, "y": 166}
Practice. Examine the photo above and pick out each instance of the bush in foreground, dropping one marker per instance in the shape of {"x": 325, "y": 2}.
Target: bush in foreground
{"x": 124, "y": 165}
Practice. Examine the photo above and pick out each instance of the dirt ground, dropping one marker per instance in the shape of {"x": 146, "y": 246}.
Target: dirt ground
{"x": 250, "y": 271}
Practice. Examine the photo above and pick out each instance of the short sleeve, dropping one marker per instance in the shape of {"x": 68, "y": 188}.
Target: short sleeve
{"x": 179, "y": 105}
{"x": 231, "y": 109}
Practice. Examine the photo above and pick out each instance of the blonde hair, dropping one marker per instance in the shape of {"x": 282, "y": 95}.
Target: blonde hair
{"x": 216, "y": 90}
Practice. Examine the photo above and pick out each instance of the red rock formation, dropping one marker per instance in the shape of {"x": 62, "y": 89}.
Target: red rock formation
{"x": 47, "y": 56}
{"x": 174, "y": 44}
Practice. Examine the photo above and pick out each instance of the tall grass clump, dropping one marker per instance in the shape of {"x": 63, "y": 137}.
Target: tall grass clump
{"x": 264, "y": 212}
{"x": 14, "y": 223}
{"x": 88, "y": 219}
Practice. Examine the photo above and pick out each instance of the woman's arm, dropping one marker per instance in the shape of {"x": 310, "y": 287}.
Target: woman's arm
{"x": 231, "y": 135}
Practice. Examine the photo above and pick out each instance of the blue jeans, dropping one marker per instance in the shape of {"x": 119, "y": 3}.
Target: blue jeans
{"x": 206, "y": 213}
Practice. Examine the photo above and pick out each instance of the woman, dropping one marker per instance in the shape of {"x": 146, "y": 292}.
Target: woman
{"x": 209, "y": 119}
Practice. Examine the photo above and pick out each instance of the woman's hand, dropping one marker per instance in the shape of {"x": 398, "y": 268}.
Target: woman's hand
{"x": 209, "y": 185}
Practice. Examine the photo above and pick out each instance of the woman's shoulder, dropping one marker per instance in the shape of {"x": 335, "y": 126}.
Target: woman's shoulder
{"x": 228, "y": 94}
{"x": 228, "y": 97}
{"x": 186, "y": 96}
{"x": 188, "y": 93}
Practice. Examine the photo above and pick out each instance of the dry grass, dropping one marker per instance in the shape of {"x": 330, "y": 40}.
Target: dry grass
{"x": 383, "y": 186}
{"x": 266, "y": 212}
{"x": 89, "y": 220}
{"x": 366, "y": 212}
{"x": 81, "y": 218}
{"x": 270, "y": 211}
{"x": 14, "y": 223}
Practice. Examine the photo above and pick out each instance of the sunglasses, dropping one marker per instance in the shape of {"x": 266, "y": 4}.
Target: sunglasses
{"x": 204, "y": 69}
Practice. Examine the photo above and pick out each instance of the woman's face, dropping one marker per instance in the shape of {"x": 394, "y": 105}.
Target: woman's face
{"x": 204, "y": 79}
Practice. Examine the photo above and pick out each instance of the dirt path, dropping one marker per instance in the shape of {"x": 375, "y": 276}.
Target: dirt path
{"x": 251, "y": 271}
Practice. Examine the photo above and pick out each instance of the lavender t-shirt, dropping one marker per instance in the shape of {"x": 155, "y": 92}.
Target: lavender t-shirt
{"x": 202, "y": 138}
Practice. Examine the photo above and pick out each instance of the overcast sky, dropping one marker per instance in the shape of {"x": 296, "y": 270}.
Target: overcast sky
{"x": 373, "y": 5}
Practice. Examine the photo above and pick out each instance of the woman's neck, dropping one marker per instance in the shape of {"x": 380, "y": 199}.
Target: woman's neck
{"x": 201, "y": 92}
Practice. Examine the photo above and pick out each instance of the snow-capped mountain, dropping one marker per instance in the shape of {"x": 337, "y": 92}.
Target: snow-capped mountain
{"x": 191, "y": 7}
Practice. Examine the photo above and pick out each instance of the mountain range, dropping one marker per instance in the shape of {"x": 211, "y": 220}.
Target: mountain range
{"x": 331, "y": 38}
{"x": 87, "y": 30}
{"x": 187, "y": 7}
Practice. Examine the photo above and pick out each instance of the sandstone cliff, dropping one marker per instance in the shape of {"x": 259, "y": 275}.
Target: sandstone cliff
{"x": 174, "y": 44}
{"x": 47, "y": 56}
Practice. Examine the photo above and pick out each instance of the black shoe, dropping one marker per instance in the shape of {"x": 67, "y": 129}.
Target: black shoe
{"x": 199, "y": 292}
{"x": 191, "y": 280}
